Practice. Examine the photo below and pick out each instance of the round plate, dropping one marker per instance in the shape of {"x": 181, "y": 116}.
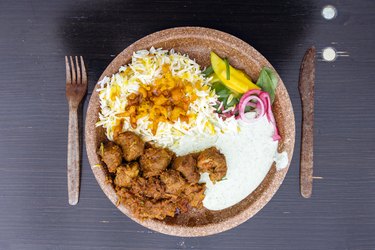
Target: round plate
{"x": 197, "y": 43}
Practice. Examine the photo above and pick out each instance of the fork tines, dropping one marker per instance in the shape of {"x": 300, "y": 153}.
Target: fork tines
{"x": 75, "y": 73}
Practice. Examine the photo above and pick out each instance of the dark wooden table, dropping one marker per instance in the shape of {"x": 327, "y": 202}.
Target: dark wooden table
{"x": 34, "y": 37}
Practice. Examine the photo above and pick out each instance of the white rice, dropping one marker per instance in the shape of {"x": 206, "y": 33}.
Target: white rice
{"x": 145, "y": 68}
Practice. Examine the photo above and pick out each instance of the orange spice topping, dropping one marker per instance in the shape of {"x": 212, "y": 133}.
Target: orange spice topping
{"x": 166, "y": 100}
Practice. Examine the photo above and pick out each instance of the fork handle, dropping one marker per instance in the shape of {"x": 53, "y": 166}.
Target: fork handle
{"x": 73, "y": 157}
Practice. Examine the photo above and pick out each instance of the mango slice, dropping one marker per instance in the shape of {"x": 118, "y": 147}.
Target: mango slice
{"x": 238, "y": 80}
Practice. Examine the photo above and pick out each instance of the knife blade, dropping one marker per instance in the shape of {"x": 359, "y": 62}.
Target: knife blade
{"x": 306, "y": 90}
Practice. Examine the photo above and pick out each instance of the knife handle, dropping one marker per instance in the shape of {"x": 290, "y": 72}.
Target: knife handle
{"x": 307, "y": 145}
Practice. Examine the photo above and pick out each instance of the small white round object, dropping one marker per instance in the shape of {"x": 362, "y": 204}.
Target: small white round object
{"x": 329, "y": 54}
{"x": 329, "y": 12}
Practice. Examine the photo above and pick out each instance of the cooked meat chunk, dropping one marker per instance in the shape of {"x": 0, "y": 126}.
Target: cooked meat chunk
{"x": 125, "y": 174}
{"x": 144, "y": 208}
{"x": 182, "y": 204}
{"x": 132, "y": 145}
{"x": 130, "y": 200}
{"x": 154, "y": 161}
{"x": 153, "y": 183}
{"x": 159, "y": 209}
{"x": 151, "y": 188}
{"x": 213, "y": 162}
{"x": 173, "y": 181}
{"x": 187, "y": 166}
{"x": 195, "y": 194}
{"x": 111, "y": 155}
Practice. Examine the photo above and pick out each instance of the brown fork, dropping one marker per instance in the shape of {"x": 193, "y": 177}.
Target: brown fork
{"x": 76, "y": 87}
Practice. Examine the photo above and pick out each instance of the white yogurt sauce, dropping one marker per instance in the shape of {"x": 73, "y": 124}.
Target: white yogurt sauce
{"x": 249, "y": 155}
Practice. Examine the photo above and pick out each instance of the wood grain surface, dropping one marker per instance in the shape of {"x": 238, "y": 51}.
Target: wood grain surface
{"x": 35, "y": 36}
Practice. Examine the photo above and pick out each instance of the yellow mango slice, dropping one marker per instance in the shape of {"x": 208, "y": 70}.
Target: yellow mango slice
{"x": 238, "y": 80}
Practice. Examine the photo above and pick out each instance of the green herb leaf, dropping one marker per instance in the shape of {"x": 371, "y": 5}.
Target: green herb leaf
{"x": 208, "y": 71}
{"x": 227, "y": 68}
{"x": 224, "y": 94}
{"x": 221, "y": 90}
{"x": 268, "y": 82}
{"x": 233, "y": 102}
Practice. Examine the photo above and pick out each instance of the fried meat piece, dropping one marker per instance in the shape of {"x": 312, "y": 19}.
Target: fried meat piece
{"x": 125, "y": 174}
{"x": 151, "y": 188}
{"x": 213, "y": 162}
{"x": 159, "y": 210}
{"x": 173, "y": 181}
{"x": 154, "y": 161}
{"x": 187, "y": 166}
{"x": 195, "y": 194}
{"x": 132, "y": 145}
{"x": 144, "y": 208}
{"x": 111, "y": 155}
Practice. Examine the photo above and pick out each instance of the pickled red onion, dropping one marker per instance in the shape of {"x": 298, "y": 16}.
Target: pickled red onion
{"x": 263, "y": 107}
{"x": 242, "y": 105}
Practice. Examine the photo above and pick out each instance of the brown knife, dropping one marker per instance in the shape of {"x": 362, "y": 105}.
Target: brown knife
{"x": 306, "y": 90}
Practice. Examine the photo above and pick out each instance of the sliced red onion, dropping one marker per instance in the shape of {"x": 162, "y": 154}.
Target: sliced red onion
{"x": 242, "y": 106}
{"x": 267, "y": 103}
{"x": 251, "y": 104}
{"x": 266, "y": 98}
{"x": 251, "y": 92}
{"x": 276, "y": 136}
{"x": 263, "y": 107}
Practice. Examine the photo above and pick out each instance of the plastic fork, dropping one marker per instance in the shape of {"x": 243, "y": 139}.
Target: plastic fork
{"x": 76, "y": 87}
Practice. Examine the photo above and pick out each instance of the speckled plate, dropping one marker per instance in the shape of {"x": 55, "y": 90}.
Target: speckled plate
{"x": 197, "y": 43}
